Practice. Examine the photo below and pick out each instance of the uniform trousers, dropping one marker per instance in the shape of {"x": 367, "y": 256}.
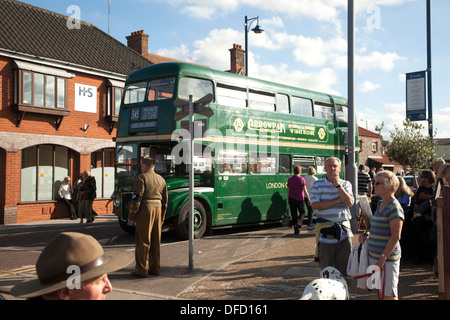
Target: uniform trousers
{"x": 148, "y": 238}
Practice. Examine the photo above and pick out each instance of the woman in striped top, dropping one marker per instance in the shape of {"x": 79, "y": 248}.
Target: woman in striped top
{"x": 385, "y": 230}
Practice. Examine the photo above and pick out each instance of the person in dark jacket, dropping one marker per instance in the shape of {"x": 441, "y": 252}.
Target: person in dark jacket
{"x": 88, "y": 194}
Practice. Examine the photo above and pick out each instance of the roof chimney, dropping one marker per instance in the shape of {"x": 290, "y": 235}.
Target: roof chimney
{"x": 138, "y": 41}
{"x": 237, "y": 56}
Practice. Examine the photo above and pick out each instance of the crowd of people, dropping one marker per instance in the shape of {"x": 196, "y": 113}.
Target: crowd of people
{"x": 403, "y": 222}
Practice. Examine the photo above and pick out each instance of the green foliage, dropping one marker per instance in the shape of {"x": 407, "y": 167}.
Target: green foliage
{"x": 410, "y": 148}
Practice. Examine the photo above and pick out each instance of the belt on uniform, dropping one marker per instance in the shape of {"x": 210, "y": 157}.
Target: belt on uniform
{"x": 151, "y": 200}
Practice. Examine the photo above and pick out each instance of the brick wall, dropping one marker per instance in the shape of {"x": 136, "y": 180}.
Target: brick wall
{"x": 44, "y": 124}
{"x": 11, "y": 209}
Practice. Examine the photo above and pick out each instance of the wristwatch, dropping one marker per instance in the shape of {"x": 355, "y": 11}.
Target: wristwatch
{"x": 338, "y": 186}
{"x": 384, "y": 256}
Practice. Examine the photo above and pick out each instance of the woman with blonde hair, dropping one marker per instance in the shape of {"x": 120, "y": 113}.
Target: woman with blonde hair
{"x": 444, "y": 173}
{"x": 385, "y": 231}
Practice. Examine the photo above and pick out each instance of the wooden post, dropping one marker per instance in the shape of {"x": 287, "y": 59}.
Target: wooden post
{"x": 443, "y": 245}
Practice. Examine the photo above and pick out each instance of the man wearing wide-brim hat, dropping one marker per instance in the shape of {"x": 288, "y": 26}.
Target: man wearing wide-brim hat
{"x": 73, "y": 266}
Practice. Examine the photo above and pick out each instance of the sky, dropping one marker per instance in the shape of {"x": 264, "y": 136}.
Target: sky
{"x": 304, "y": 44}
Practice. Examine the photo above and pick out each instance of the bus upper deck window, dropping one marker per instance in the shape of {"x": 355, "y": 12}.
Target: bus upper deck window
{"x": 198, "y": 88}
{"x": 342, "y": 113}
{"x": 161, "y": 89}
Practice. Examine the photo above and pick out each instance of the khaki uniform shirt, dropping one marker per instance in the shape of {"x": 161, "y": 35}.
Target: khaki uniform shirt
{"x": 150, "y": 188}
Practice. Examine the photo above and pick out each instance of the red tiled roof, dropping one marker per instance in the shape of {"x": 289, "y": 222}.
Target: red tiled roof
{"x": 368, "y": 133}
{"x": 383, "y": 159}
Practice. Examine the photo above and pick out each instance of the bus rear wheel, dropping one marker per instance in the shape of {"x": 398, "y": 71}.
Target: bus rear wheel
{"x": 200, "y": 221}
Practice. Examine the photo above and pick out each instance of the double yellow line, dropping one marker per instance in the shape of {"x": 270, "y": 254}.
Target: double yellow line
{"x": 17, "y": 271}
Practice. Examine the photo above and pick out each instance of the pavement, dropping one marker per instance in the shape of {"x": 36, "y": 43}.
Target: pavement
{"x": 266, "y": 264}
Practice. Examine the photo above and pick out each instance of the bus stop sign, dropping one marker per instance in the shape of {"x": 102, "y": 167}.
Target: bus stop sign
{"x": 199, "y": 107}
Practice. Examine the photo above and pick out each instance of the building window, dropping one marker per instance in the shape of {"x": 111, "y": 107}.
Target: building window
{"x": 43, "y": 170}
{"x": 41, "y": 90}
{"x": 360, "y": 145}
{"x": 374, "y": 146}
{"x": 102, "y": 168}
{"x": 115, "y": 91}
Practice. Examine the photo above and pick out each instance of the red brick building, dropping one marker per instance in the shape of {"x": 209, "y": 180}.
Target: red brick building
{"x": 371, "y": 152}
{"x": 60, "y": 89}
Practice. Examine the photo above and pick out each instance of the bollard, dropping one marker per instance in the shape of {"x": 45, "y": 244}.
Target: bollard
{"x": 443, "y": 243}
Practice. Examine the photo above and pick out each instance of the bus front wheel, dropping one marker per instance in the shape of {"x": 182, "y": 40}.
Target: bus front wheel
{"x": 200, "y": 221}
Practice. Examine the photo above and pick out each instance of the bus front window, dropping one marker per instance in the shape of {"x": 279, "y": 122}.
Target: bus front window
{"x": 134, "y": 93}
{"x": 126, "y": 160}
{"x": 161, "y": 89}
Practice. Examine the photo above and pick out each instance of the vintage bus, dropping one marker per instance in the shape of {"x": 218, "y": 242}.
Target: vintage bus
{"x": 244, "y": 152}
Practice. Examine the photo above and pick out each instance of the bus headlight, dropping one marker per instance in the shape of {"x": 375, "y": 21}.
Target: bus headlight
{"x": 116, "y": 201}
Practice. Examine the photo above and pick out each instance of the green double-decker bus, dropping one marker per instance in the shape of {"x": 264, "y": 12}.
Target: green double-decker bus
{"x": 243, "y": 153}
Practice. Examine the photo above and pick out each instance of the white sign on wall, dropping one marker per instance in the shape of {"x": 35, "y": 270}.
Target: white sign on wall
{"x": 85, "y": 98}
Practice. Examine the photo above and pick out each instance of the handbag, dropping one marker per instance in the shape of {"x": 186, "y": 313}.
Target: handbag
{"x": 358, "y": 261}
{"x": 286, "y": 219}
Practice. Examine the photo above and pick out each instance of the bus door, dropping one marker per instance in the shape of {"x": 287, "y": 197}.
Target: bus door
{"x": 231, "y": 188}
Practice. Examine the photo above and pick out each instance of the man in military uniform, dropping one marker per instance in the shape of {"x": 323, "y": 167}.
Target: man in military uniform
{"x": 147, "y": 209}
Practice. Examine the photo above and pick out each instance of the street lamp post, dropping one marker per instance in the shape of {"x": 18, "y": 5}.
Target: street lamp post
{"x": 256, "y": 29}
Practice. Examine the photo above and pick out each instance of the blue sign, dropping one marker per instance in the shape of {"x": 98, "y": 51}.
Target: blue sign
{"x": 415, "y": 96}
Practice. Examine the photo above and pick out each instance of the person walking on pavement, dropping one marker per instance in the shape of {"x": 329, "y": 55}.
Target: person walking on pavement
{"x": 88, "y": 194}
{"x": 65, "y": 192}
{"x": 296, "y": 191}
{"x": 310, "y": 179}
{"x": 332, "y": 198}
{"x": 147, "y": 209}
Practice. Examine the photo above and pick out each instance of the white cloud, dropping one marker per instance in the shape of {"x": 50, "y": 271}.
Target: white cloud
{"x": 275, "y": 22}
{"x": 367, "y": 86}
{"x": 377, "y": 60}
{"x": 199, "y": 12}
{"x": 323, "y": 80}
{"x": 211, "y": 51}
{"x": 322, "y": 10}
{"x": 205, "y": 9}
{"x": 441, "y": 122}
{"x": 363, "y": 5}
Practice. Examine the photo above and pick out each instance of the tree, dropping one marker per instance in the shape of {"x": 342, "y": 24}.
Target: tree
{"x": 410, "y": 147}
